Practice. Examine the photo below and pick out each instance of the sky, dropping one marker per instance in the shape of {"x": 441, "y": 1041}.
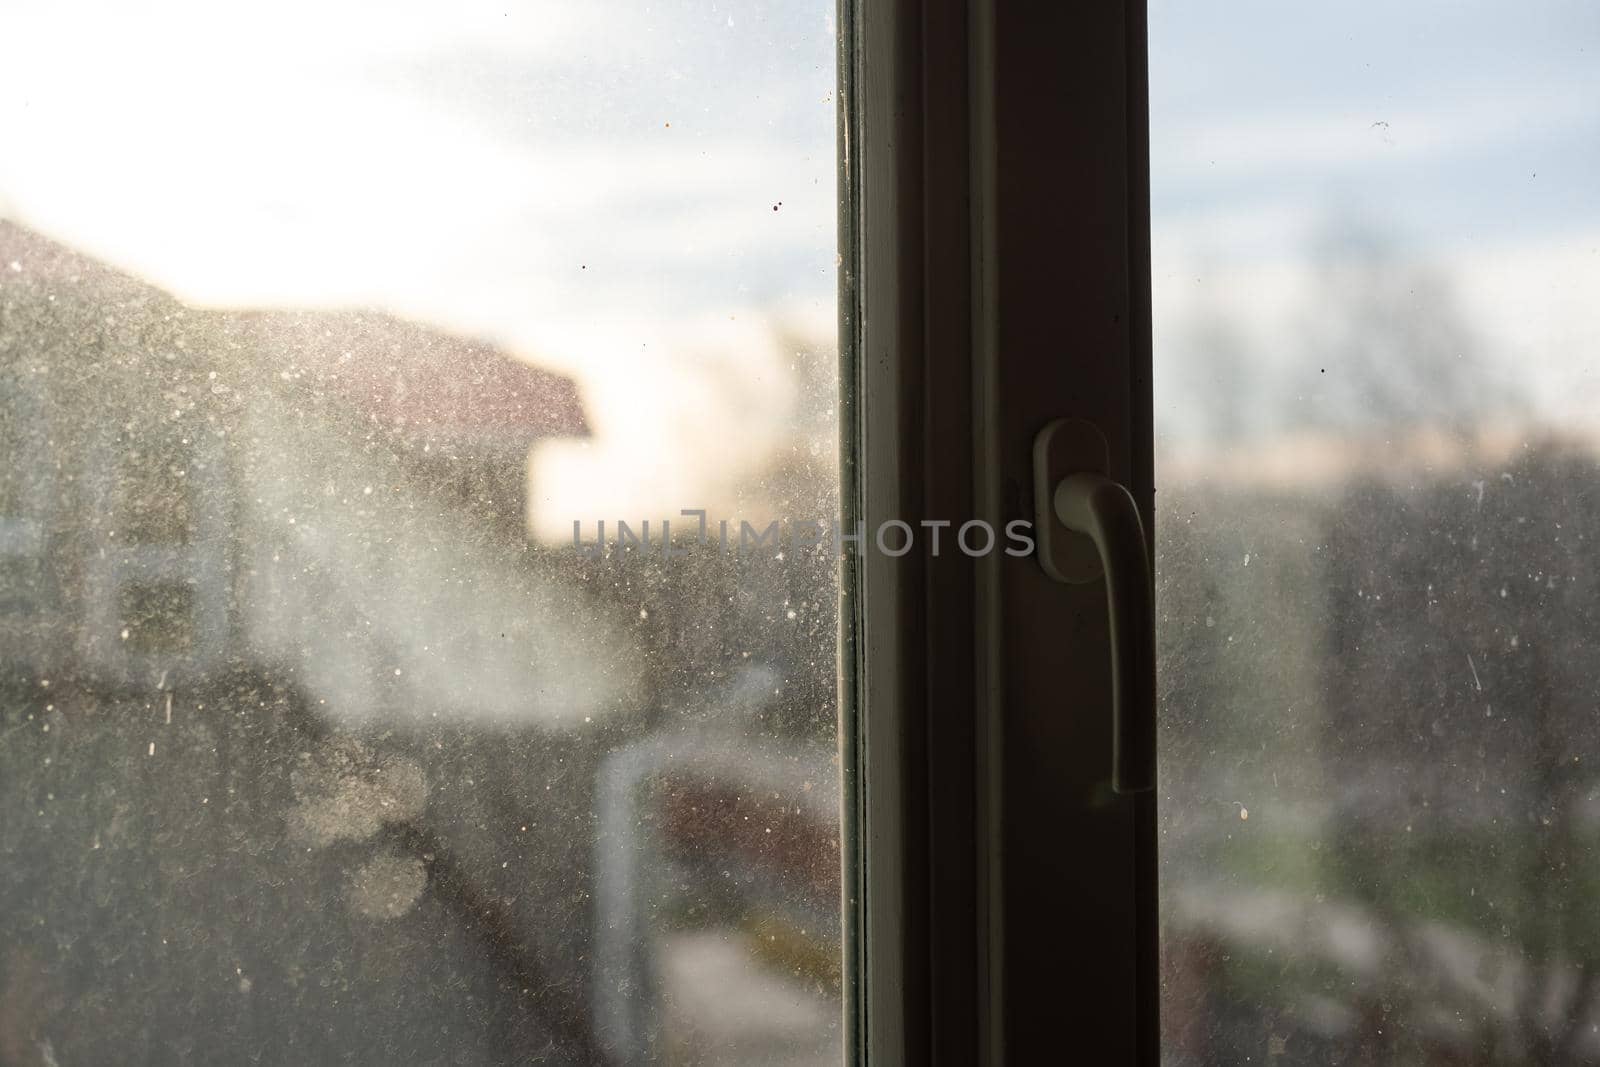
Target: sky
{"x": 642, "y": 194}
{"x": 1462, "y": 135}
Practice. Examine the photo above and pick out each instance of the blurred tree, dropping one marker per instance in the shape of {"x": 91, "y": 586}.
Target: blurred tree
{"x": 1461, "y": 682}
{"x": 1212, "y": 381}
{"x": 1387, "y": 342}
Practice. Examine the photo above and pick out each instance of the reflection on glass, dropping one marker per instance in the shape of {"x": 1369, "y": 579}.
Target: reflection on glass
{"x": 1378, "y": 465}
{"x": 320, "y": 740}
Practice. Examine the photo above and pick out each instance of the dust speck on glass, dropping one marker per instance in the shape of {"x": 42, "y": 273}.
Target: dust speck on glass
{"x": 1377, "y": 319}
{"x": 320, "y": 326}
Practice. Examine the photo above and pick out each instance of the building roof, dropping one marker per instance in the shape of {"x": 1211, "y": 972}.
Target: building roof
{"x": 405, "y": 375}
{"x": 413, "y": 378}
{"x": 31, "y": 258}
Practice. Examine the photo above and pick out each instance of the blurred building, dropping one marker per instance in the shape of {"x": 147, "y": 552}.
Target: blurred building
{"x": 182, "y": 479}
{"x": 300, "y": 732}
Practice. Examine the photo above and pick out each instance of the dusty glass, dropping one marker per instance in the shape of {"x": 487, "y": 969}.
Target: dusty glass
{"x": 332, "y": 728}
{"x": 1378, "y": 478}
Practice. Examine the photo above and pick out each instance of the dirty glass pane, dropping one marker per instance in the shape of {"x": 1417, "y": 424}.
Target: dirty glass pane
{"x": 323, "y": 328}
{"x": 1377, "y": 294}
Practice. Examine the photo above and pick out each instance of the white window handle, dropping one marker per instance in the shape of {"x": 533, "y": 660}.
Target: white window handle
{"x": 1090, "y": 504}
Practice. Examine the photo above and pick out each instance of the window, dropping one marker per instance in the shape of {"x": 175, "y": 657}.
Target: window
{"x": 1374, "y": 240}
{"x": 337, "y": 349}
{"x": 469, "y": 582}
{"x": 25, "y": 496}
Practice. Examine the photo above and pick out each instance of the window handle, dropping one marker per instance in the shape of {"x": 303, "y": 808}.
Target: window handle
{"x": 1089, "y": 528}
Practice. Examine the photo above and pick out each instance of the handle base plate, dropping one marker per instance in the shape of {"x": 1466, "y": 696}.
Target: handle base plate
{"x": 1063, "y": 448}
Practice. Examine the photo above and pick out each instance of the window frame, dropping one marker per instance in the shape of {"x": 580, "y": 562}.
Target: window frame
{"x": 994, "y": 275}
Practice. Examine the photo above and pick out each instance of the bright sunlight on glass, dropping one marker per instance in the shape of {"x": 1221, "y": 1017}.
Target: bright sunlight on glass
{"x": 338, "y": 720}
{"x": 1377, "y": 318}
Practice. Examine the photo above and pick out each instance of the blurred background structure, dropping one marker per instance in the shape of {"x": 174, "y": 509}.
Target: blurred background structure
{"x": 319, "y": 328}
{"x": 1377, "y": 252}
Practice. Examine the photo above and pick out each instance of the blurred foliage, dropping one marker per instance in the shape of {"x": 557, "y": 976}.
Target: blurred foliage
{"x": 1396, "y": 684}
